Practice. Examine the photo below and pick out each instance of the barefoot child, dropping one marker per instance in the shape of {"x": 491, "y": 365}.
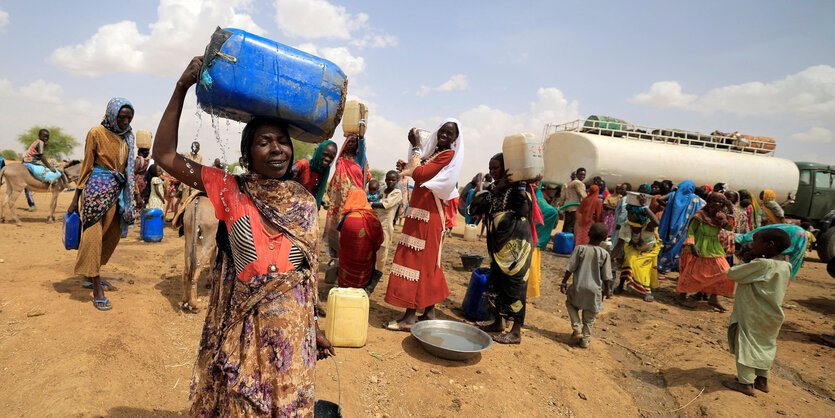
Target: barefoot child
{"x": 592, "y": 269}
{"x": 757, "y": 315}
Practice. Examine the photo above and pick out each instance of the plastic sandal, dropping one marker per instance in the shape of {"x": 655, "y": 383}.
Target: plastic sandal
{"x": 107, "y": 306}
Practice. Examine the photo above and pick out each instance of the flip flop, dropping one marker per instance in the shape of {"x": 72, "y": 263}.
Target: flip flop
{"x": 505, "y": 339}
{"x": 107, "y": 306}
{"x": 394, "y": 326}
{"x": 104, "y": 285}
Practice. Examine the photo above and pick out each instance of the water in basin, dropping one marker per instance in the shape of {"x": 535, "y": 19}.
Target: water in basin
{"x": 450, "y": 339}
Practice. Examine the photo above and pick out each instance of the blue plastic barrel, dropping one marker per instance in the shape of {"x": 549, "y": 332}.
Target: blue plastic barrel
{"x": 475, "y": 304}
{"x": 563, "y": 243}
{"x": 151, "y": 225}
{"x": 245, "y": 75}
{"x": 71, "y": 231}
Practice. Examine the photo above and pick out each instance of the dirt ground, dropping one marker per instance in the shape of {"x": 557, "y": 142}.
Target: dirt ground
{"x": 61, "y": 357}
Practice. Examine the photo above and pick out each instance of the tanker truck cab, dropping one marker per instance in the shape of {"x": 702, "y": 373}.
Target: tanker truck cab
{"x": 815, "y": 200}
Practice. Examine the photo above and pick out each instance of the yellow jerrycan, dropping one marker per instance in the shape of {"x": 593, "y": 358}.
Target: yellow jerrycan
{"x": 347, "y": 320}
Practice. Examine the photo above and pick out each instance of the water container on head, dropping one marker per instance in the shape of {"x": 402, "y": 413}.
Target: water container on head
{"x": 355, "y": 111}
{"x": 347, "y": 320}
{"x": 246, "y": 76}
{"x": 522, "y": 156}
{"x": 143, "y": 139}
{"x": 151, "y": 225}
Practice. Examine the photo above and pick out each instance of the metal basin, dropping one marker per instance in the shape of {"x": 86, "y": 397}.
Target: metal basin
{"x": 451, "y": 340}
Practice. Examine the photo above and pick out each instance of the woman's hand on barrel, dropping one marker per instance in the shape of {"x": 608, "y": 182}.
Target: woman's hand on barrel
{"x": 189, "y": 77}
{"x": 323, "y": 346}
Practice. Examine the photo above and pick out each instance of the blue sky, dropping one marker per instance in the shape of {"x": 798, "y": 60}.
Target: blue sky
{"x": 763, "y": 68}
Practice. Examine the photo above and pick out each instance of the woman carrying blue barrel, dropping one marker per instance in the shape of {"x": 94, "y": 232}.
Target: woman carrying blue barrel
{"x": 260, "y": 340}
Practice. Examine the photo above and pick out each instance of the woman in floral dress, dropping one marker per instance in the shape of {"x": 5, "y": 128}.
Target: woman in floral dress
{"x": 260, "y": 341}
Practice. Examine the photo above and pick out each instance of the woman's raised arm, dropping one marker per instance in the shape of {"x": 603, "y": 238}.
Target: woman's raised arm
{"x": 165, "y": 144}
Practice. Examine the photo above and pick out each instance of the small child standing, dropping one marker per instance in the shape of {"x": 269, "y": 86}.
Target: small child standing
{"x": 592, "y": 269}
{"x": 758, "y": 315}
{"x": 156, "y": 197}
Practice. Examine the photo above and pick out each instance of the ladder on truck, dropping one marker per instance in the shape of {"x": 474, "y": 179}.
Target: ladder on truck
{"x": 735, "y": 142}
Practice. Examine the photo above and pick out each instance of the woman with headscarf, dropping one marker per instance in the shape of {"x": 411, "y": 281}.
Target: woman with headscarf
{"x": 351, "y": 173}
{"x": 639, "y": 240}
{"x": 417, "y": 280}
{"x": 659, "y": 191}
{"x": 751, "y": 208}
{"x": 473, "y": 187}
{"x": 772, "y": 212}
{"x": 589, "y": 213}
{"x": 106, "y": 191}
{"x": 260, "y": 341}
{"x": 550, "y": 216}
{"x": 794, "y": 254}
{"x": 681, "y": 206}
{"x": 601, "y": 185}
{"x": 313, "y": 173}
{"x": 509, "y": 215}
{"x": 703, "y": 263}
{"x": 360, "y": 236}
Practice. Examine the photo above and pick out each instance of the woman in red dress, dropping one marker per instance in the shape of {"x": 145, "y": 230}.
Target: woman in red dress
{"x": 350, "y": 174}
{"x": 417, "y": 279}
{"x": 360, "y": 236}
{"x": 589, "y": 213}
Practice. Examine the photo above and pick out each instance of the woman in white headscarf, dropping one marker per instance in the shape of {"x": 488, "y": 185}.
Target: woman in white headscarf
{"x": 417, "y": 280}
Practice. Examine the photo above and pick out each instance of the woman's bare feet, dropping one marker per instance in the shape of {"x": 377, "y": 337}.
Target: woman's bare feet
{"x": 428, "y": 314}
{"x": 739, "y": 387}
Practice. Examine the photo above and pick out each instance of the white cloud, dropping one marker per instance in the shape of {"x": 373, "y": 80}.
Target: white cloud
{"x": 664, "y": 94}
{"x": 340, "y": 56}
{"x": 456, "y": 82}
{"x": 808, "y": 95}
{"x": 815, "y": 135}
{"x": 182, "y": 31}
{"x": 320, "y": 19}
{"x": 315, "y": 19}
{"x": 4, "y": 19}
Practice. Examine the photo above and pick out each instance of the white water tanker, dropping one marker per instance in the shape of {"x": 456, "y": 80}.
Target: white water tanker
{"x": 636, "y": 154}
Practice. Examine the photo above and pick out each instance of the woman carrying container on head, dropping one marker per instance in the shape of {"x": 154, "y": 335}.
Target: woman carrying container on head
{"x": 509, "y": 212}
{"x": 105, "y": 190}
{"x": 260, "y": 340}
{"x": 682, "y": 204}
{"x": 351, "y": 173}
{"x": 313, "y": 173}
{"x": 417, "y": 280}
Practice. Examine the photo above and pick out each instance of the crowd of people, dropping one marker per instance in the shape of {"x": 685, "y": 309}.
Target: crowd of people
{"x": 261, "y": 337}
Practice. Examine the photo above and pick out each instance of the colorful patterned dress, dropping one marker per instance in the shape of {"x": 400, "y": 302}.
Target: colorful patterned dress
{"x": 257, "y": 354}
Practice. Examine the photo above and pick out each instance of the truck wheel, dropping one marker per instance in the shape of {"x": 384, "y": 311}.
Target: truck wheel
{"x": 826, "y": 245}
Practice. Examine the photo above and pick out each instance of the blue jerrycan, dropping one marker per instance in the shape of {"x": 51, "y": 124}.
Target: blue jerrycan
{"x": 563, "y": 243}
{"x": 245, "y": 76}
{"x": 151, "y": 225}
{"x": 475, "y": 304}
{"x": 71, "y": 231}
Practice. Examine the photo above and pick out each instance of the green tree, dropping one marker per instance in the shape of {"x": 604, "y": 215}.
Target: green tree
{"x": 378, "y": 174}
{"x": 303, "y": 150}
{"x": 60, "y": 145}
{"x": 9, "y": 154}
